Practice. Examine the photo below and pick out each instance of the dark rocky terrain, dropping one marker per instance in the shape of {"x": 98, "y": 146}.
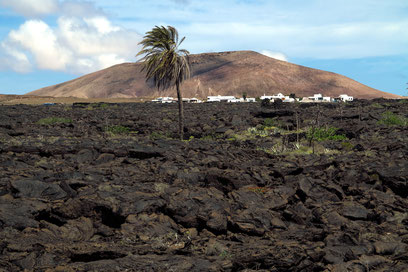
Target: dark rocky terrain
{"x": 106, "y": 187}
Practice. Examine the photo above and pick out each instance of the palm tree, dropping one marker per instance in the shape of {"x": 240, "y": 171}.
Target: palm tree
{"x": 165, "y": 63}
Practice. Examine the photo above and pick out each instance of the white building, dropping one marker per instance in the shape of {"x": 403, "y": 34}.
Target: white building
{"x": 220, "y": 98}
{"x": 345, "y": 98}
{"x": 164, "y": 100}
{"x": 284, "y": 98}
{"x": 319, "y": 98}
{"x": 192, "y": 100}
{"x": 272, "y": 97}
{"x": 288, "y": 99}
{"x": 242, "y": 100}
{"x": 236, "y": 100}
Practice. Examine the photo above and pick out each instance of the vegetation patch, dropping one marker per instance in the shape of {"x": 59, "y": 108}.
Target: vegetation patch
{"x": 324, "y": 133}
{"x": 270, "y": 122}
{"x": 297, "y": 150}
{"x": 53, "y": 121}
{"x": 117, "y": 130}
{"x": 376, "y": 106}
{"x": 347, "y": 146}
{"x": 159, "y": 135}
{"x": 391, "y": 119}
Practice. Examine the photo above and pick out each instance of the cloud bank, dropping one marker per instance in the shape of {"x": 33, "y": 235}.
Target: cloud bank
{"x": 78, "y": 44}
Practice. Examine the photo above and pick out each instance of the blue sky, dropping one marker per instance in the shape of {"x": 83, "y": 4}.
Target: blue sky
{"x": 45, "y": 42}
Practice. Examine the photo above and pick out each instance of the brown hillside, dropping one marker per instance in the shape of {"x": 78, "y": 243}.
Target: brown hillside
{"x": 227, "y": 73}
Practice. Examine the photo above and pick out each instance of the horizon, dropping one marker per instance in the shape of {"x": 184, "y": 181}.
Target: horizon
{"x": 47, "y": 42}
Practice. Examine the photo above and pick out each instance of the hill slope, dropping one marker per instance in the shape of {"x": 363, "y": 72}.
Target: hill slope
{"x": 226, "y": 73}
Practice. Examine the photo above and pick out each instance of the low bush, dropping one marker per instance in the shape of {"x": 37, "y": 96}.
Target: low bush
{"x": 270, "y": 122}
{"x": 347, "y": 145}
{"x": 117, "y": 130}
{"x": 324, "y": 134}
{"x": 391, "y": 119}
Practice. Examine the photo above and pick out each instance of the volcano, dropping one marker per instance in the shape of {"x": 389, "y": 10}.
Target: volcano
{"x": 225, "y": 73}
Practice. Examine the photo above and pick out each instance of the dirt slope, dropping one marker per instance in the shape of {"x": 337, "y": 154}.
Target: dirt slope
{"x": 227, "y": 73}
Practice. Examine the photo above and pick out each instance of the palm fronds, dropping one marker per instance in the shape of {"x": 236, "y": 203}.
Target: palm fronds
{"x": 162, "y": 60}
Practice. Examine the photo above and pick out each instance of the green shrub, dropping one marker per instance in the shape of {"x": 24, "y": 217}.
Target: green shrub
{"x": 189, "y": 139}
{"x": 391, "y": 119}
{"x": 347, "y": 145}
{"x": 53, "y": 121}
{"x": 324, "y": 134}
{"x": 376, "y": 106}
{"x": 258, "y": 132}
{"x": 269, "y": 122}
{"x": 117, "y": 130}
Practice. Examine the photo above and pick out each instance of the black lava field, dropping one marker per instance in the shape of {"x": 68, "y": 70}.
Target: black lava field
{"x": 253, "y": 187}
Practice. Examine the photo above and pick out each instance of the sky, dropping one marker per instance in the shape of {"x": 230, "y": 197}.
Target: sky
{"x": 46, "y": 42}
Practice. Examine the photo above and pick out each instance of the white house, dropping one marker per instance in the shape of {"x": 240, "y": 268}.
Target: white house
{"x": 236, "y": 100}
{"x": 345, "y": 98}
{"x": 220, "y": 98}
{"x": 242, "y": 100}
{"x": 275, "y": 96}
{"x": 164, "y": 100}
{"x": 195, "y": 100}
{"x": 316, "y": 97}
{"x": 288, "y": 99}
{"x": 192, "y": 100}
{"x": 319, "y": 98}
{"x": 280, "y": 96}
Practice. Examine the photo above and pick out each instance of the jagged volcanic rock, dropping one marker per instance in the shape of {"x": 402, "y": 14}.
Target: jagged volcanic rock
{"x": 76, "y": 197}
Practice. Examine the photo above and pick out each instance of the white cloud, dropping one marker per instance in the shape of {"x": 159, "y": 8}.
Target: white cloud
{"x": 76, "y": 44}
{"x": 16, "y": 60}
{"x": 101, "y": 24}
{"x": 31, "y": 7}
{"x": 37, "y": 38}
{"x": 275, "y": 55}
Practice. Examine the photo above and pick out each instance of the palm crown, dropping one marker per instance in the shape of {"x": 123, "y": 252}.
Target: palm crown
{"x": 163, "y": 61}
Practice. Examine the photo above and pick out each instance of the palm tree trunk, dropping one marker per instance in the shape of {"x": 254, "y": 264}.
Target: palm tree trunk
{"x": 181, "y": 113}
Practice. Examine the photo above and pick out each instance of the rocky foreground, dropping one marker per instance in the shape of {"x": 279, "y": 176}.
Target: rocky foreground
{"x": 107, "y": 187}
